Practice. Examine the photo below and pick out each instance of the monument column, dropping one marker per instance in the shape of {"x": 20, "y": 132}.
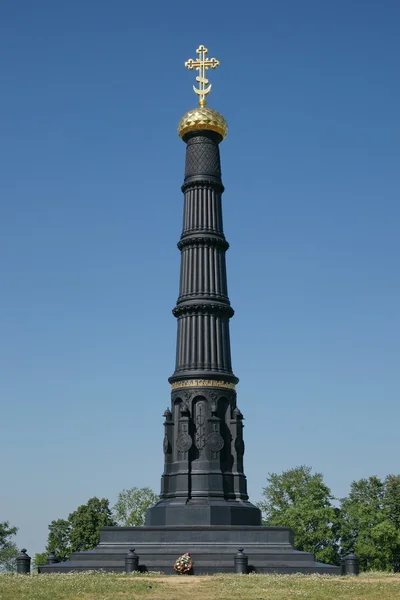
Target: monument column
{"x": 203, "y": 481}
{"x": 203, "y": 507}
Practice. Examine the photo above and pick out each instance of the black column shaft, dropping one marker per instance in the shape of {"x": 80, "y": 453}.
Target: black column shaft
{"x": 203, "y": 309}
{"x": 203, "y": 481}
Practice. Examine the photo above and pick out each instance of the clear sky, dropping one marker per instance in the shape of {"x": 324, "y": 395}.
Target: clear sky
{"x": 91, "y": 210}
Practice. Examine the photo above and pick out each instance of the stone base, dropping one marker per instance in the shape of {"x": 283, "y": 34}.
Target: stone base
{"x": 210, "y": 511}
{"x": 270, "y": 550}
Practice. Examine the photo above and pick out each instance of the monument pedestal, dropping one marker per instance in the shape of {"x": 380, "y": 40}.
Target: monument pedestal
{"x": 203, "y": 511}
{"x": 270, "y": 550}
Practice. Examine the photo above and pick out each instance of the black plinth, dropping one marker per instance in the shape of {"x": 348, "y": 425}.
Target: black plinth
{"x": 270, "y": 550}
{"x": 203, "y": 512}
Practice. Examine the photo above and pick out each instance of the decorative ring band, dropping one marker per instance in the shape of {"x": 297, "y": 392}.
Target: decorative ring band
{"x": 191, "y": 383}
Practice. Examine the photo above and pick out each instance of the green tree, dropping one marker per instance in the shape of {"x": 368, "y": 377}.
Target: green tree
{"x": 85, "y": 522}
{"x": 58, "y": 539}
{"x": 8, "y": 548}
{"x": 370, "y": 522}
{"x": 300, "y": 500}
{"x": 360, "y": 514}
{"x": 39, "y": 559}
{"x": 391, "y": 506}
{"x": 132, "y": 505}
{"x": 391, "y": 500}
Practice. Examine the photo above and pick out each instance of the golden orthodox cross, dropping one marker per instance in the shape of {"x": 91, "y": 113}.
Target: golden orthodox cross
{"x": 201, "y": 64}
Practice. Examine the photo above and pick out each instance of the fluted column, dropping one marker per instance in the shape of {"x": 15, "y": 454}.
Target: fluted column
{"x": 203, "y": 309}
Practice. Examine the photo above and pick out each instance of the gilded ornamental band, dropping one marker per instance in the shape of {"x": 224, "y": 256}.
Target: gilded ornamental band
{"x": 190, "y": 383}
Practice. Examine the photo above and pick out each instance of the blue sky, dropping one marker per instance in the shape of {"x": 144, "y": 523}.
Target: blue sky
{"x": 91, "y": 210}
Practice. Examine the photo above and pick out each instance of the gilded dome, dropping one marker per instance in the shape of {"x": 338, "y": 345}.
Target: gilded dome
{"x": 202, "y": 118}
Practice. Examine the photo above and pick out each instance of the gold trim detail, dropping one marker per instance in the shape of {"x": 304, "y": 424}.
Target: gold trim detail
{"x": 190, "y": 383}
{"x": 200, "y": 119}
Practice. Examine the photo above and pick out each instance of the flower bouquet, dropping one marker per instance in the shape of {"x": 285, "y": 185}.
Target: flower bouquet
{"x": 184, "y": 563}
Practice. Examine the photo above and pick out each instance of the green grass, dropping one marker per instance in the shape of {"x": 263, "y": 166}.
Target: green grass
{"x": 106, "y": 586}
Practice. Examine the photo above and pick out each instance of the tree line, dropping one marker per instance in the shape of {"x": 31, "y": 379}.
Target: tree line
{"x": 80, "y": 531}
{"x": 366, "y": 522}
